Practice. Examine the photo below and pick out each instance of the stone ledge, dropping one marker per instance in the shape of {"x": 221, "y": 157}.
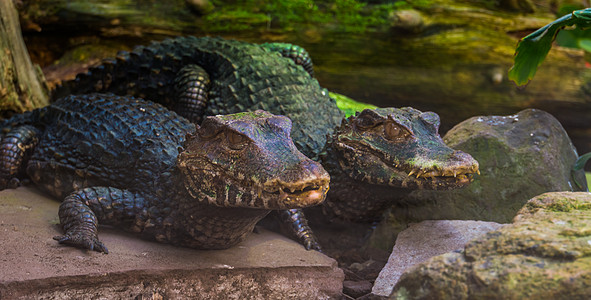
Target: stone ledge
{"x": 266, "y": 265}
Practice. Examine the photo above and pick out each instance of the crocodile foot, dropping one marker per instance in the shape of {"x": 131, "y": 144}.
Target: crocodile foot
{"x": 11, "y": 183}
{"x": 310, "y": 243}
{"x": 82, "y": 240}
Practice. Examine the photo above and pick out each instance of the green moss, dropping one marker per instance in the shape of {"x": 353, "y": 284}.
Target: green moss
{"x": 235, "y": 18}
{"x": 582, "y": 232}
{"x": 352, "y": 16}
{"x": 348, "y": 105}
{"x": 567, "y": 205}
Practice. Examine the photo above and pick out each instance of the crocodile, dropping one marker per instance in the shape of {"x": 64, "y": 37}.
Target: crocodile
{"x": 131, "y": 163}
{"x": 373, "y": 155}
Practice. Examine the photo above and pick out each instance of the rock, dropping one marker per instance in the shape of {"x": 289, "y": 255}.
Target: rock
{"x": 34, "y": 266}
{"x": 201, "y": 7}
{"x": 424, "y": 240}
{"x": 520, "y": 156}
{"x": 356, "y": 289}
{"x": 407, "y": 21}
{"x": 544, "y": 254}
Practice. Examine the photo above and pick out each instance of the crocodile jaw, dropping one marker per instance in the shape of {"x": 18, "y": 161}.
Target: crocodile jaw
{"x": 299, "y": 194}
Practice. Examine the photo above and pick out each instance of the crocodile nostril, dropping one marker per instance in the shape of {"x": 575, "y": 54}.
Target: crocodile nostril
{"x": 306, "y": 169}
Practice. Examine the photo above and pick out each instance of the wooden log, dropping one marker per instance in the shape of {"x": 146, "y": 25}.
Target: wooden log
{"x": 22, "y": 86}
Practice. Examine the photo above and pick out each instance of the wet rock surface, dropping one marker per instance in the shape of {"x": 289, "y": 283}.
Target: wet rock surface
{"x": 544, "y": 254}
{"x": 266, "y": 265}
{"x": 424, "y": 240}
{"x": 520, "y": 156}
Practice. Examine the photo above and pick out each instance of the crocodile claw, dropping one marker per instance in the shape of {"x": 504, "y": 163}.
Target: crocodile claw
{"x": 310, "y": 243}
{"x": 82, "y": 241}
{"x": 11, "y": 183}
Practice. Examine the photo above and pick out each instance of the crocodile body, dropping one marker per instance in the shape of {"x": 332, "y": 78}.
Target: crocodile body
{"x": 135, "y": 164}
{"x": 242, "y": 77}
{"x": 369, "y": 168}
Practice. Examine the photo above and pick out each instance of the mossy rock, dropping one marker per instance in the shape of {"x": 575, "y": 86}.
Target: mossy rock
{"x": 544, "y": 254}
{"x": 520, "y": 156}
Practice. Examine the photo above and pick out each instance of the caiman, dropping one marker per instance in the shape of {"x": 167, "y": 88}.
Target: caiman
{"x": 134, "y": 164}
{"x": 372, "y": 157}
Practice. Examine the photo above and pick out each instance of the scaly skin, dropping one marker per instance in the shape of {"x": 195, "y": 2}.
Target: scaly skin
{"x": 241, "y": 76}
{"x": 134, "y": 164}
{"x": 368, "y": 167}
{"x": 392, "y": 151}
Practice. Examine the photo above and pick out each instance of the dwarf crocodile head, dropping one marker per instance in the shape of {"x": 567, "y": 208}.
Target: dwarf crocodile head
{"x": 249, "y": 160}
{"x": 400, "y": 147}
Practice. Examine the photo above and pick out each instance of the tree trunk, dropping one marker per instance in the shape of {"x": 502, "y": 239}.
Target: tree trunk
{"x": 22, "y": 86}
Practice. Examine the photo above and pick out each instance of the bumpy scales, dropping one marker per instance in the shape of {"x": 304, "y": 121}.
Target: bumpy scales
{"x": 209, "y": 76}
{"x": 374, "y": 158}
{"x": 134, "y": 164}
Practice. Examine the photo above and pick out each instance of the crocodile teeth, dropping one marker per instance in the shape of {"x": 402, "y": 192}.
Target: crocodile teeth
{"x": 420, "y": 173}
{"x": 411, "y": 172}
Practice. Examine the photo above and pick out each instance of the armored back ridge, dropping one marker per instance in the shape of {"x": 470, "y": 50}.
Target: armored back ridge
{"x": 132, "y": 163}
{"x": 240, "y": 77}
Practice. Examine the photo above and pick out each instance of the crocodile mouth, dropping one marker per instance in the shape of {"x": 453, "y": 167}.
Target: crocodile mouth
{"x": 298, "y": 194}
{"x": 439, "y": 178}
{"x": 453, "y": 170}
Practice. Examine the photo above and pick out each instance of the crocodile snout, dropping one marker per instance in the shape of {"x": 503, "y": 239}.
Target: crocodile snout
{"x": 302, "y": 185}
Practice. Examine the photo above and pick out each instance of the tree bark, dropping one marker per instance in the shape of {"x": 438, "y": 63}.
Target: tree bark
{"x": 22, "y": 85}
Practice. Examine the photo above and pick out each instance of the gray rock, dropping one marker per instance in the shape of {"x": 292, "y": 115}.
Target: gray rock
{"x": 356, "y": 289}
{"x": 407, "y": 20}
{"x": 520, "y": 156}
{"x": 544, "y": 254}
{"x": 424, "y": 240}
{"x": 34, "y": 266}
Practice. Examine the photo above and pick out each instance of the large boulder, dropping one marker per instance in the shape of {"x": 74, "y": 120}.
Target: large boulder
{"x": 520, "y": 156}
{"x": 544, "y": 254}
{"x": 424, "y": 240}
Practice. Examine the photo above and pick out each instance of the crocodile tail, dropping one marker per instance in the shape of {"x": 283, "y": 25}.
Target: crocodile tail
{"x": 61, "y": 90}
{"x": 32, "y": 118}
{"x": 298, "y": 54}
{"x": 96, "y": 79}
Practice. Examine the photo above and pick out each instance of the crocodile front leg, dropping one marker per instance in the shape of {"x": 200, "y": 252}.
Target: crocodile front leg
{"x": 298, "y": 54}
{"x": 15, "y": 149}
{"x": 192, "y": 86}
{"x": 294, "y": 223}
{"x": 81, "y": 211}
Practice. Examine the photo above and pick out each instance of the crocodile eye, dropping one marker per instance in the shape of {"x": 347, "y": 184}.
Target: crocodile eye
{"x": 365, "y": 123}
{"x": 236, "y": 141}
{"x": 208, "y": 132}
{"x": 394, "y": 132}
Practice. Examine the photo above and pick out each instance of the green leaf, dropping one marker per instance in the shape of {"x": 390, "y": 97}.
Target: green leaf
{"x": 579, "y": 165}
{"x": 532, "y": 49}
{"x": 348, "y": 105}
{"x": 581, "y": 161}
{"x": 568, "y": 38}
{"x": 585, "y": 44}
